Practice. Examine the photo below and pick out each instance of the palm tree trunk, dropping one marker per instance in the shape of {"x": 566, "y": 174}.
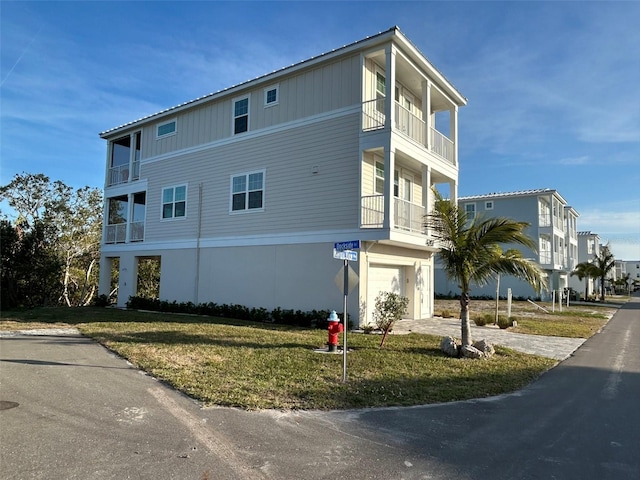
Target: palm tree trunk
{"x": 464, "y": 319}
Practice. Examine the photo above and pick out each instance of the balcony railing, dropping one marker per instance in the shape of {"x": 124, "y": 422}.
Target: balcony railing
{"x": 116, "y": 233}
{"x": 373, "y": 114}
{"x": 544, "y": 220}
{"x": 407, "y": 216}
{"x": 373, "y": 118}
{"x": 442, "y": 145}
{"x": 136, "y": 231}
{"x": 120, "y": 174}
{"x": 410, "y": 124}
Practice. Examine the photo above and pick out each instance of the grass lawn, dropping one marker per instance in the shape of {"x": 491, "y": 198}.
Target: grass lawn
{"x": 254, "y": 366}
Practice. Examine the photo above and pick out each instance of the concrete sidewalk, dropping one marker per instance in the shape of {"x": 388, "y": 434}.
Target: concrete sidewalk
{"x": 558, "y": 348}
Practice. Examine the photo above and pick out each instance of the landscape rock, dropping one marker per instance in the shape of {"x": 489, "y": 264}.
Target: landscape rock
{"x": 485, "y": 347}
{"x": 449, "y": 346}
{"x": 469, "y": 351}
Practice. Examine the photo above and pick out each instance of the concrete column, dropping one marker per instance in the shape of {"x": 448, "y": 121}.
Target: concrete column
{"x": 390, "y": 73}
{"x": 127, "y": 281}
{"x": 426, "y": 112}
{"x": 104, "y": 285}
{"x": 389, "y": 167}
{"x": 453, "y": 125}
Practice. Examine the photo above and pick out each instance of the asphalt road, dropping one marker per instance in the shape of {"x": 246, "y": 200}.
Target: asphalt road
{"x": 84, "y": 413}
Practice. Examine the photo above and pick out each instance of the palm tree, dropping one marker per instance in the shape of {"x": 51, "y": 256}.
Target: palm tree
{"x": 585, "y": 270}
{"x": 604, "y": 263}
{"x": 470, "y": 251}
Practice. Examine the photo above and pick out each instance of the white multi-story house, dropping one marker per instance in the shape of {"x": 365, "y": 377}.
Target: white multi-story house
{"x": 240, "y": 195}
{"x": 553, "y": 226}
{"x": 588, "y": 248}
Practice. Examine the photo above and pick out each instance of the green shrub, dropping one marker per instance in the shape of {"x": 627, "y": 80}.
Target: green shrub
{"x": 483, "y": 319}
{"x": 504, "y": 322}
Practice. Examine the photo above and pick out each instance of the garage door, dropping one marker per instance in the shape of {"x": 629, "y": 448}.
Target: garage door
{"x": 383, "y": 278}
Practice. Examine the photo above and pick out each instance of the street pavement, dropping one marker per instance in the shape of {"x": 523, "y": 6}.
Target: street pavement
{"x": 73, "y": 410}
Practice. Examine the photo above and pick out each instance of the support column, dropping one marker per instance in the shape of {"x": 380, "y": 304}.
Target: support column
{"x": 426, "y": 112}
{"x": 389, "y": 167}
{"x": 453, "y": 125}
{"x": 390, "y": 72}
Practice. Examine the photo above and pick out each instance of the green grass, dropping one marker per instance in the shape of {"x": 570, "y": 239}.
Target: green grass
{"x": 255, "y": 366}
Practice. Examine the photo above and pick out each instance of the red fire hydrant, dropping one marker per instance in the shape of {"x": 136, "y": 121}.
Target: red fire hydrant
{"x": 335, "y": 327}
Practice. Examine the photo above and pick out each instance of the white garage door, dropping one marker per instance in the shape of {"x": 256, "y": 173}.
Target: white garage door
{"x": 383, "y": 278}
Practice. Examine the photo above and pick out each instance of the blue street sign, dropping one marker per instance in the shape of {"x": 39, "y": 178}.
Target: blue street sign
{"x": 350, "y": 245}
{"x": 349, "y": 255}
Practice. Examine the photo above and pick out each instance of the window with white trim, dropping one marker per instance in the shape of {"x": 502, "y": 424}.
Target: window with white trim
{"x": 470, "y": 210}
{"x": 247, "y": 191}
{"x": 488, "y": 205}
{"x": 381, "y": 91}
{"x": 271, "y": 96}
{"x": 166, "y": 129}
{"x": 174, "y": 202}
{"x": 241, "y": 115}
{"x": 379, "y": 178}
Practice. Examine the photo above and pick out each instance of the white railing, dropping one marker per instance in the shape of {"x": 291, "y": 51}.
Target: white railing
{"x": 409, "y": 124}
{"x": 545, "y": 257}
{"x": 136, "y": 171}
{"x": 136, "y": 231}
{"x": 373, "y": 118}
{"x": 116, "y": 233}
{"x": 441, "y": 145}
{"x": 372, "y": 207}
{"x": 544, "y": 220}
{"x": 408, "y": 216}
{"x": 373, "y": 114}
{"x": 119, "y": 174}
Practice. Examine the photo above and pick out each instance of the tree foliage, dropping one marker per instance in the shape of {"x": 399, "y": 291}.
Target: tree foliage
{"x": 51, "y": 251}
{"x": 471, "y": 252}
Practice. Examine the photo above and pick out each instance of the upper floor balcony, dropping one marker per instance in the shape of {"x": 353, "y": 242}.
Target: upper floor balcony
{"x": 409, "y": 124}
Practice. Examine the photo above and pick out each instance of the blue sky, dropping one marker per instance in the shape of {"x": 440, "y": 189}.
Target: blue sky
{"x": 553, "y": 87}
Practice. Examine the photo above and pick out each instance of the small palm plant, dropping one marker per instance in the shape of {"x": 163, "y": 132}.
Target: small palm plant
{"x": 470, "y": 251}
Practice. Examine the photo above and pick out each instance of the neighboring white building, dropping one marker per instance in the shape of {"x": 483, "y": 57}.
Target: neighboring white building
{"x": 241, "y": 194}
{"x": 553, "y": 225}
{"x": 589, "y": 247}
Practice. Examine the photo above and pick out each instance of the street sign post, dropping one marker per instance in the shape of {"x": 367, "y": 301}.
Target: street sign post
{"x": 345, "y": 252}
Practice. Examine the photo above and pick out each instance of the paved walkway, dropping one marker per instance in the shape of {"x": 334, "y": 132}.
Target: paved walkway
{"x": 558, "y": 348}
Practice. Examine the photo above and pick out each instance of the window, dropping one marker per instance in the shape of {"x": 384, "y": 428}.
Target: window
{"x": 271, "y": 96}
{"x": 381, "y": 91}
{"x": 247, "y": 192}
{"x": 396, "y": 184}
{"x": 166, "y": 129}
{"x": 174, "y": 202}
{"x": 488, "y": 205}
{"x": 241, "y": 115}
{"x": 470, "y": 210}
{"x": 379, "y": 178}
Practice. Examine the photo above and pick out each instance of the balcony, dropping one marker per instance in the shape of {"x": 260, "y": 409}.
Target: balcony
{"x": 120, "y": 174}
{"x": 407, "y": 123}
{"x": 117, "y": 233}
{"x": 407, "y": 216}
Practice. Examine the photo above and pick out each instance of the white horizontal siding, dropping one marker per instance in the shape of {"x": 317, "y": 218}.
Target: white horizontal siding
{"x": 325, "y": 88}
{"x": 295, "y": 198}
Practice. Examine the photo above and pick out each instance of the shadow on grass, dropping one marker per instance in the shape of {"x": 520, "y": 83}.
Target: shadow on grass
{"x": 170, "y": 337}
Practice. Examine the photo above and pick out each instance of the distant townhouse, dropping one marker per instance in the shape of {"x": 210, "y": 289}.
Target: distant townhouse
{"x": 589, "y": 247}
{"x": 240, "y": 195}
{"x": 553, "y": 226}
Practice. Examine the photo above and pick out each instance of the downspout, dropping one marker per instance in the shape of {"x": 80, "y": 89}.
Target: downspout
{"x": 197, "y": 279}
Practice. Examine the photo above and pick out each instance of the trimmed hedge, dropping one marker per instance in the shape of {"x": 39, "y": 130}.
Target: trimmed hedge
{"x": 298, "y": 318}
